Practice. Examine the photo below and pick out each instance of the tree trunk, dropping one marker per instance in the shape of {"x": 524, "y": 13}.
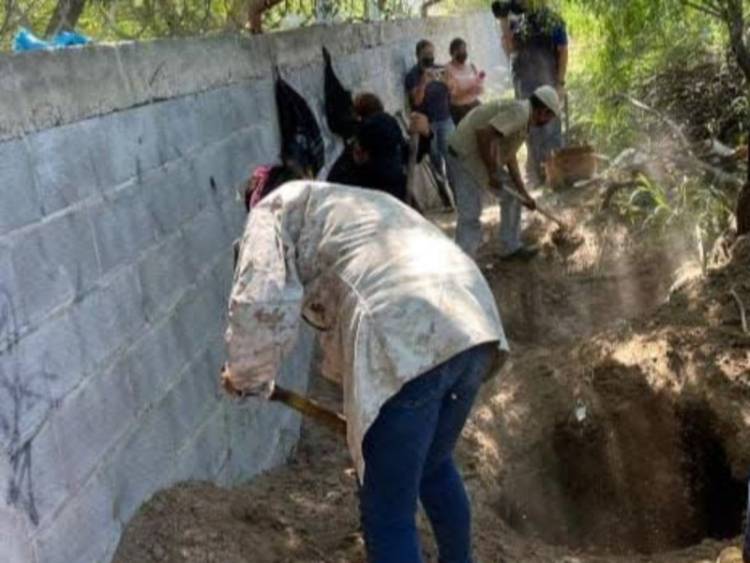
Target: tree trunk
{"x": 743, "y": 204}
{"x": 255, "y": 10}
{"x": 735, "y": 20}
{"x": 65, "y": 17}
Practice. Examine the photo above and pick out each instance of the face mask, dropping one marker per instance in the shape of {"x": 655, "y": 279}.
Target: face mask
{"x": 461, "y": 58}
{"x": 427, "y": 62}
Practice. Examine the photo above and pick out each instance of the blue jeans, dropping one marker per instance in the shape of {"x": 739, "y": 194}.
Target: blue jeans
{"x": 408, "y": 455}
{"x": 468, "y": 194}
{"x": 439, "y": 145}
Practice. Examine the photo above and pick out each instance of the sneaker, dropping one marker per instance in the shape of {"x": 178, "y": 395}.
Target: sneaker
{"x": 524, "y": 253}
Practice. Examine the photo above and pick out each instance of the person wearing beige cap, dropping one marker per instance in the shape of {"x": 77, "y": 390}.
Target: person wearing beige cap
{"x": 482, "y": 153}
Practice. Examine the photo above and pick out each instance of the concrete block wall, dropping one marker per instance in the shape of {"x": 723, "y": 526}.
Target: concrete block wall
{"x": 121, "y": 166}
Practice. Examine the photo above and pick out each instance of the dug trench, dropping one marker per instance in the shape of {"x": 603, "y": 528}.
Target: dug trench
{"x": 618, "y": 431}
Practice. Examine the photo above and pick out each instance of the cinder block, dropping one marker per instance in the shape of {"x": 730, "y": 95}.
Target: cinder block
{"x": 64, "y": 172}
{"x": 15, "y": 544}
{"x": 155, "y": 361}
{"x": 19, "y": 202}
{"x": 124, "y": 146}
{"x": 136, "y": 470}
{"x": 40, "y": 478}
{"x": 124, "y": 227}
{"x": 109, "y": 318}
{"x": 172, "y": 196}
{"x": 154, "y": 442}
{"x": 190, "y": 398}
{"x": 200, "y": 316}
{"x": 55, "y": 263}
{"x": 205, "y": 456}
{"x": 165, "y": 273}
{"x": 178, "y": 126}
{"x": 206, "y": 236}
{"x": 50, "y": 359}
{"x": 84, "y": 530}
{"x": 91, "y": 420}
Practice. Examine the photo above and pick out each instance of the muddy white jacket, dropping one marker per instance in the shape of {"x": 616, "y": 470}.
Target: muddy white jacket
{"x": 391, "y": 295}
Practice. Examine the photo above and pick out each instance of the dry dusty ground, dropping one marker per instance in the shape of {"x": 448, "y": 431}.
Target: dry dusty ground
{"x": 618, "y": 433}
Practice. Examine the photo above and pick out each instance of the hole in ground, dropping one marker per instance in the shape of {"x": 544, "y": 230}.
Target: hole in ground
{"x": 640, "y": 474}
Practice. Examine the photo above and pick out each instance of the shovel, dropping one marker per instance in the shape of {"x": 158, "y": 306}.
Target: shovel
{"x": 539, "y": 210}
{"x": 311, "y": 409}
{"x": 563, "y": 237}
{"x": 307, "y": 407}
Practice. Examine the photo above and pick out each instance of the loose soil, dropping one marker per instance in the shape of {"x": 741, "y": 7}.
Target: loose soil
{"x": 617, "y": 433}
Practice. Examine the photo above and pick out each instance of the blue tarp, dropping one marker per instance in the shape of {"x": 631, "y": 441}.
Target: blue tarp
{"x": 27, "y": 41}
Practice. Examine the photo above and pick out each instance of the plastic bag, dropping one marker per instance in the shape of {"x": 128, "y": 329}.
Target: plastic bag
{"x": 27, "y": 41}
{"x": 70, "y": 38}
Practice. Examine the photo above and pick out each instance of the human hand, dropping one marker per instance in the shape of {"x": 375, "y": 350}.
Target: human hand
{"x": 419, "y": 124}
{"x": 229, "y": 384}
{"x": 529, "y": 203}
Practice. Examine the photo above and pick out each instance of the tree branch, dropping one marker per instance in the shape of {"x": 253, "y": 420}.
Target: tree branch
{"x": 255, "y": 11}
{"x": 65, "y": 16}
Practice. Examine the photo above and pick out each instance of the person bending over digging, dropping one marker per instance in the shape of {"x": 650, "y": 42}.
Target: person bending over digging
{"x": 482, "y": 153}
{"x": 408, "y": 326}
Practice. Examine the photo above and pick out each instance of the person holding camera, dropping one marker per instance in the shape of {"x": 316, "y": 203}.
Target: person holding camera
{"x": 469, "y": 82}
{"x": 429, "y": 88}
{"x": 536, "y": 40}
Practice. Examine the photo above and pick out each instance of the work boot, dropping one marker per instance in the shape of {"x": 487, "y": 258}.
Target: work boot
{"x": 524, "y": 253}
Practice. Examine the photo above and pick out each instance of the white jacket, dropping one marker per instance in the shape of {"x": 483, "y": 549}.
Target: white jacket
{"x": 392, "y": 296}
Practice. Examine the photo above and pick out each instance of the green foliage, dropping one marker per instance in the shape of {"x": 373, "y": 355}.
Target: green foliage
{"x": 619, "y": 44}
{"x": 683, "y": 204}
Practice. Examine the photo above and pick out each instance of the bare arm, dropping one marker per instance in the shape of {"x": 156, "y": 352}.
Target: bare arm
{"x": 486, "y": 138}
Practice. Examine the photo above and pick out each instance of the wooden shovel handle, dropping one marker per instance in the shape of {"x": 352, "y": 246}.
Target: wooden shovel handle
{"x": 310, "y": 408}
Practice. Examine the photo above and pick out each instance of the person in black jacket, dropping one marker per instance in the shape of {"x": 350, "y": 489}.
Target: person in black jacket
{"x": 378, "y": 154}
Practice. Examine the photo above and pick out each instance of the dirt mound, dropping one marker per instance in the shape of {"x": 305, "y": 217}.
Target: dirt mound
{"x": 635, "y": 441}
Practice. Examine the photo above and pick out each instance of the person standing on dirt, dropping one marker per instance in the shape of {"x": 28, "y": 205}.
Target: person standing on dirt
{"x": 409, "y": 327}
{"x": 469, "y": 82}
{"x": 483, "y": 154}
{"x": 429, "y": 88}
{"x": 536, "y": 39}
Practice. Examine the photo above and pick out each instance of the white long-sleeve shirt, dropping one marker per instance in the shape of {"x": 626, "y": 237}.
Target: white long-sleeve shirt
{"x": 392, "y": 296}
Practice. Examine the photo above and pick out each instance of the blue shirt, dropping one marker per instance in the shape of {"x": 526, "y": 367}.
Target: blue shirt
{"x": 537, "y": 37}
{"x": 437, "y": 98}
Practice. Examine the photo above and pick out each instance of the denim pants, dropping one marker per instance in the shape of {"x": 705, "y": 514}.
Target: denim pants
{"x": 408, "y": 455}
{"x": 439, "y": 145}
{"x": 468, "y": 193}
